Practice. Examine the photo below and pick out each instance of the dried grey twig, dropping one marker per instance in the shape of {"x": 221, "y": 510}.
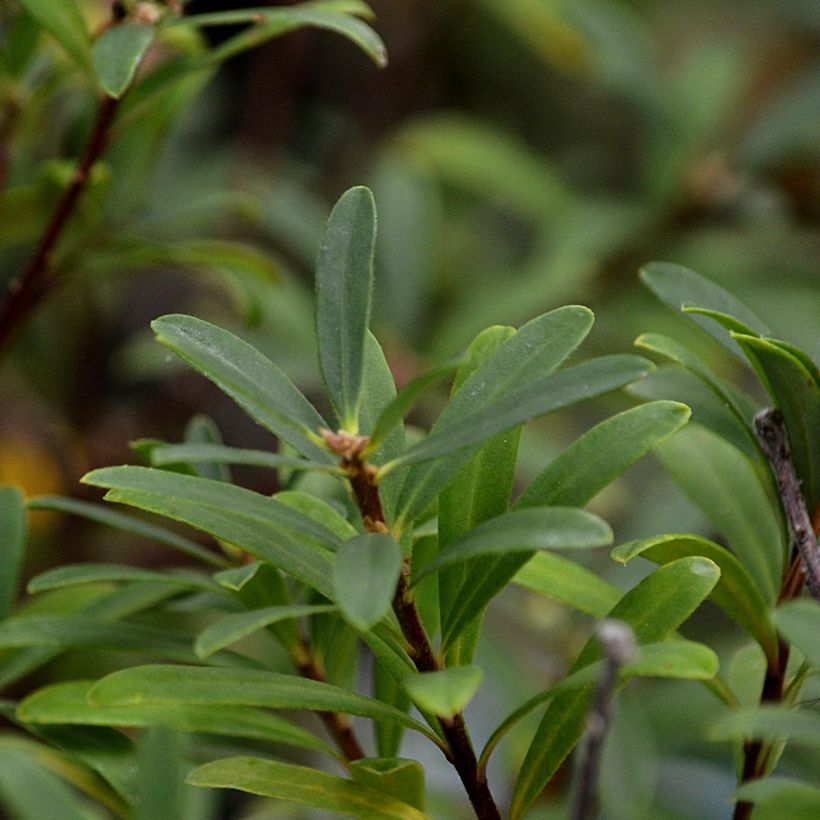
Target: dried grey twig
{"x": 773, "y": 439}
{"x": 620, "y": 646}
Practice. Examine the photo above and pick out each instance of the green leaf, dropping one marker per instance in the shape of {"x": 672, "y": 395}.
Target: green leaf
{"x": 117, "y": 55}
{"x": 253, "y": 522}
{"x": 159, "y": 777}
{"x": 365, "y": 574}
{"x": 255, "y": 383}
{"x": 736, "y": 593}
{"x": 165, "y": 454}
{"x": 318, "y": 510}
{"x": 126, "y": 523}
{"x": 203, "y": 430}
{"x": 64, "y": 21}
{"x": 591, "y": 462}
{"x": 678, "y": 286}
{"x": 169, "y": 685}
{"x": 723, "y": 482}
{"x": 799, "y": 623}
{"x": 525, "y": 531}
{"x": 796, "y": 392}
{"x": 397, "y": 777}
{"x": 67, "y": 703}
{"x": 775, "y": 798}
{"x": 30, "y": 792}
{"x": 770, "y": 723}
{"x": 654, "y": 608}
{"x": 74, "y": 574}
{"x": 270, "y": 23}
{"x": 676, "y": 659}
{"x": 478, "y": 492}
{"x": 233, "y": 628}
{"x": 299, "y": 784}
{"x": 13, "y": 535}
{"x": 567, "y": 582}
{"x": 446, "y": 692}
{"x": 344, "y": 289}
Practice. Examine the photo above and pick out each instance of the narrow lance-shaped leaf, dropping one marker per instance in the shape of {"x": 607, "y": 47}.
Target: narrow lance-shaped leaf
{"x": 770, "y": 723}
{"x": 365, "y": 574}
{"x": 344, "y": 285}
{"x": 591, "y": 462}
{"x": 654, "y": 609}
{"x": 126, "y": 523}
{"x": 165, "y": 454}
{"x": 201, "y": 429}
{"x": 13, "y": 533}
{"x": 74, "y": 574}
{"x": 304, "y": 786}
{"x": 253, "y": 522}
{"x": 723, "y": 482}
{"x": 254, "y": 382}
{"x": 796, "y": 391}
{"x": 170, "y": 685}
{"x": 117, "y": 54}
{"x": 64, "y": 20}
{"x": 67, "y": 703}
{"x": 736, "y": 593}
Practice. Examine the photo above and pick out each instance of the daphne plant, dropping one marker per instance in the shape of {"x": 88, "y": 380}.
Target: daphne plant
{"x": 425, "y": 537}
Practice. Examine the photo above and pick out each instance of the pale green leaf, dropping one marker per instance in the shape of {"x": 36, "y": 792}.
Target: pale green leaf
{"x": 770, "y": 723}
{"x": 64, "y": 21}
{"x": 395, "y": 776}
{"x": 777, "y": 798}
{"x": 74, "y": 574}
{"x": 799, "y": 623}
{"x": 117, "y": 54}
{"x": 446, "y": 692}
{"x": 165, "y": 454}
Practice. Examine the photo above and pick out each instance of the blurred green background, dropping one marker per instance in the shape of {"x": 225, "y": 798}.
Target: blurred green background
{"x": 524, "y": 154}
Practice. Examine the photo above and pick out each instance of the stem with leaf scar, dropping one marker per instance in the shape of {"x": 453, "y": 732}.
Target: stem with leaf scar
{"x": 460, "y": 752}
{"x": 804, "y": 569}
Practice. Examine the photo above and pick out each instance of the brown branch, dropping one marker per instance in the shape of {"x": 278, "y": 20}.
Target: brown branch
{"x": 28, "y": 290}
{"x": 461, "y": 754}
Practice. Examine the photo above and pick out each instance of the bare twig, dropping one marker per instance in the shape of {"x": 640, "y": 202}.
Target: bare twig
{"x": 461, "y": 754}
{"x": 618, "y": 641}
{"x": 775, "y": 443}
{"x": 27, "y": 291}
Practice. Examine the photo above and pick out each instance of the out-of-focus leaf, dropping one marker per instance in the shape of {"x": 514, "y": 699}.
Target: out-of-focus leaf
{"x": 298, "y": 784}
{"x": 736, "y": 593}
{"x": 233, "y": 628}
{"x": 596, "y": 458}
{"x": 64, "y": 21}
{"x": 165, "y": 454}
{"x": 255, "y": 383}
{"x": 478, "y": 492}
{"x": 170, "y": 685}
{"x": 565, "y": 581}
{"x": 13, "y": 534}
{"x": 32, "y": 793}
{"x": 117, "y": 55}
{"x": 799, "y": 623}
{"x": 397, "y": 777}
{"x": 365, "y": 574}
{"x": 159, "y": 775}
{"x": 654, "y": 609}
{"x": 684, "y": 660}
{"x": 253, "y": 522}
{"x": 796, "y": 391}
{"x": 724, "y": 484}
{"x": 769, "y": 723}
{"x": 344, "y": 289}
{"x": 203, "y": 430}
{"x": 67, "y": 703}
{"x": 776, "y": 798}
{"x": 678, "y": 286}
{"x": 73, "y": 574}
{"x": 127, "y": 523}
{"x": 446, "y": 692}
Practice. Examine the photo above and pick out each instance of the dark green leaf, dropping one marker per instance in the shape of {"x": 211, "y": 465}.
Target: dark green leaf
{"x": 591, "y": 462}
{"x": 365, "y": 574}
{"x": 344, "y": 289}
{"x": 127, "y": 523}
{"x": 13, "y": 534}
{"x": 255, "y": 383}
{"x": 73, "y": 574}
{"x": 298, "y": 784}
{"x": 723, "y": 482}
{"x": 233, "y": 628}
{"x": 253, "y": 522}
{"x": 318, "y": 510}
{"x": 117, "y": 55}
{"x": 169, "y": 685}
{"x": 735, "y": 593}
{"x": 64, "y": 21}
{"x": 203, "y": 430}
{"x": 67, "y": 703}
{"x": 654, "y": 609}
